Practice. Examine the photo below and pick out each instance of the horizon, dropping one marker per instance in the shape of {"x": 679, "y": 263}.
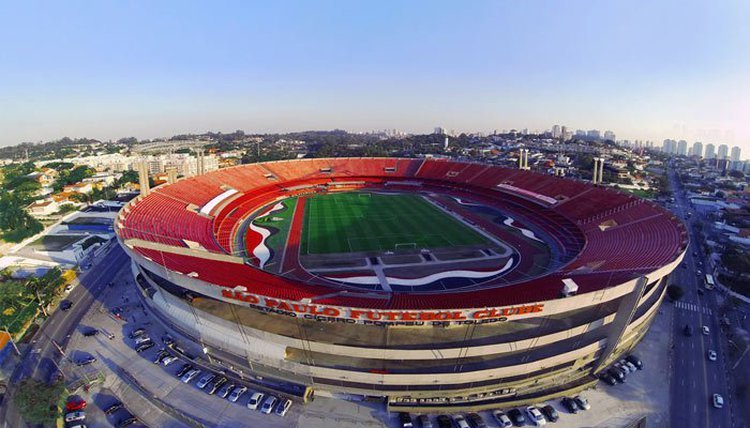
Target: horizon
{"x": 674, "y": 70}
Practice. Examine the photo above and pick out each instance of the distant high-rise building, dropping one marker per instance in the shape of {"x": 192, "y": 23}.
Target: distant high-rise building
{"x": 556, "y": 131}
{"x": 710, "y": 151}
{"x": 594, "y": 133}
{"x": 609, "y": 135}
{"x": 723, "y": 151}
{"x": 697, "y": 149}
{"x": 580, "y": 133}
{"x": 735, "y": 154}
{"x": 439, "y": 130}
{"x": 682, "y": 148}
{"x": 669, "y": 146}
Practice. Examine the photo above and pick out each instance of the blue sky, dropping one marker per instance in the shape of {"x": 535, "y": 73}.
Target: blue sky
{"x": 646, "y": 70}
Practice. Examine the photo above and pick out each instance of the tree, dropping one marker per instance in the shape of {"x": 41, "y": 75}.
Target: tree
{"x": 37, "y": 401}
{"x": 675, "y": 292}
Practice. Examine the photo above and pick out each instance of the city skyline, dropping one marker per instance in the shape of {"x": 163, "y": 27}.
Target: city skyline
{"x": 675, "y": 70}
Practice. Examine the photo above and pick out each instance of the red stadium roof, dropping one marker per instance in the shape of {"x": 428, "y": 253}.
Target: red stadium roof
{"x": 612, "y": 237}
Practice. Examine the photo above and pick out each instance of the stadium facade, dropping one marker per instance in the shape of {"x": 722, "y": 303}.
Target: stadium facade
{"x": 524, "y": 332}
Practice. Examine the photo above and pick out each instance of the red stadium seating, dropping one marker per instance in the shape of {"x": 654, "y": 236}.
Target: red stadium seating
{"x": 604, "y": 236}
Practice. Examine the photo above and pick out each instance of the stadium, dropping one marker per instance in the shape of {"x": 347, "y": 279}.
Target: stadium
{"x": 427, "y": 283}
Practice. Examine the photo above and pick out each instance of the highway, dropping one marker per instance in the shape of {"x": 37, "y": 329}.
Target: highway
{"x": 694, "y": 378}
{"x": 40, "y": 359}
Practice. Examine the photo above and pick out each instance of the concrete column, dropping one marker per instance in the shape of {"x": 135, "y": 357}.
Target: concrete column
{"x": 601, "y": 169}
{"x": 171, "y": 175}
{"x": 143, "y": 177}
{"x": 526, "y": 159}
{"x": 596, "y": 170}
{"x": 520, "y": 159}
{"x": 623, "y": 318}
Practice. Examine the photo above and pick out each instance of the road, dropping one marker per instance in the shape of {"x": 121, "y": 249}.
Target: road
{"x": 694, "y": 378}
{"x": 40, "y": 359}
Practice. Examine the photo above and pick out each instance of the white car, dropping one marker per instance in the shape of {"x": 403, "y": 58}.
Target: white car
{"x": 536, "y": 416}
{"x": 142, "y": 339}
{"x": 718, "y": 401}
{"x": 202, "y": 382}
{"x": 187, "y": 377}
{"x": 169, "y": 360}
{"x": 502, "y": 419}
{"x": 706, "y": 331}
{"x": 283, "y": 407}
{"x": 268, "y": 404}
{"x": 582, "y": 402}
{"x": 460, "y": 421}
{"x": 75, "y": 416}
{"x": 711, "y": 355}
{"x": 237, "y": 393}
{"x": 255, "y": 400}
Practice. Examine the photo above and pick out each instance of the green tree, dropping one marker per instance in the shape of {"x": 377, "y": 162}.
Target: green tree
{"x": 37, "y": 402}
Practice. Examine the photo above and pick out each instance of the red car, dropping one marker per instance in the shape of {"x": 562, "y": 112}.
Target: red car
{"x": 75, "y": 403}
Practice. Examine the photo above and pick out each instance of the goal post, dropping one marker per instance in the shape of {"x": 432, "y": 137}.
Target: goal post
{"x": 405, "y": 246}
{"x": 364, "y": 194}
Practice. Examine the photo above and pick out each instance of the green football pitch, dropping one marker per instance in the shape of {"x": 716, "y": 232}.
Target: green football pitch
{"x": 359, "y": 221}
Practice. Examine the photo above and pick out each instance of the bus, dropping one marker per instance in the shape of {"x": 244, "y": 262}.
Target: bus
{"x": 710, "y": 284}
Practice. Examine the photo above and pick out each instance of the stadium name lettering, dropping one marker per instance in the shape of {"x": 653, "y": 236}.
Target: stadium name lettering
{"x": 333, "y": 314}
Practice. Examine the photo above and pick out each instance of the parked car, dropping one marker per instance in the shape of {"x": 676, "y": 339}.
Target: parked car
{"x": 160, "y": 356}
{"x": 75, "y": 416}
{"x": 424, "y": 421}
{"x": 706, "y": 330}
{"x": 284, "y": 407}
{"x": 167, "y": 339}
{"x": 582, "y": 402}
{"x": 226, "y": 390}
{"x": 616, "y": 373}
{"x": 636, "y": 361}
{"x": 475, "y": 420}
{"x": 202, "y": 382}
{"x": 255, "y": 400}
{"x": 444, "y": 421}
{"x": 503, "y": 421}
{"x": 184, "y": 369}
{"x": 517, "y": 417}
{"x": 550, "y": 413}
{"x": 190, "y": 375}
{"x": 126, "y": 421}
{"x": 237, "y": 393}
{"x": 86, "y": 360}
{"x": 268, "y": 404}
{"x": 711, "y": 355}
{"x": 113, "y": 408}
{"x": 215, "y": 385}
{"x": 66, "y": 304}
{"x": 137, "y": 332}
{"x": 144, "y": 346}
{"x": 460, "y": 421}
{"x": 169, "y": 360}
{"x": 90, "y": 332}
{"x": 630, "y": 366}
{"x": 142, "y": 339}
{"x": 569, "y": 405}
{"x": 718, "y": 401}
{"x": 608, "y": 379}
{"x": 404, "y": 420}
{"x": 535, "y": 416}
{"x": 74, "y": 403}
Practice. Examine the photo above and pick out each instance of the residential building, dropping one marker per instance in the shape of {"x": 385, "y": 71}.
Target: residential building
{"x": 697, "y": 149}
{"x": 723, "y": 151}
{"x": 710, "y": 151}
{"x": 682, "y": 148}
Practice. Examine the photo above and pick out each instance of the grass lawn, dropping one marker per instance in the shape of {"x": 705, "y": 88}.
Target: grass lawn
{"x": 360, "y": 221}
